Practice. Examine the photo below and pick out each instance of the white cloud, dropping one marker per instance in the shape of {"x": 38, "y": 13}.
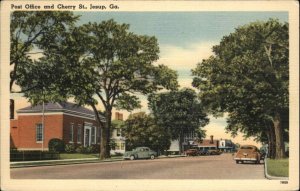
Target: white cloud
{"x": 185, "y": 57}
{"x": 186, "y": 83}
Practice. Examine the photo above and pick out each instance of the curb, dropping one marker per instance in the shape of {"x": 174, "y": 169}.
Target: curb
{"x": 272, "y": 177}
{"x": 69, "y": 162}
{"x": 62, "y": 162}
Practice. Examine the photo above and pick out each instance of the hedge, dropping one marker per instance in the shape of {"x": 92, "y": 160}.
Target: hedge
{"x": 33, "y": 155}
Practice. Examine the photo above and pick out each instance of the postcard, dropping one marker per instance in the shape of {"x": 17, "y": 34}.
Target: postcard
{"x": 149, "y": 95}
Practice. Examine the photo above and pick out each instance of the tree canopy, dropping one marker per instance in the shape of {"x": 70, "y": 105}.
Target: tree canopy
{"x": 248, "y": 77}
{"x": 141, "y": 129}
{"x": 31, "y": 33}
{"x": 179, "y": 112}
{"x": 101, "y": 63}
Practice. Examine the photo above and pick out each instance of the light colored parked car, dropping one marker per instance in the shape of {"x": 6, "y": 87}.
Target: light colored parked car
{"x": 140, "y": 153}
{"x": 248, "y": 153}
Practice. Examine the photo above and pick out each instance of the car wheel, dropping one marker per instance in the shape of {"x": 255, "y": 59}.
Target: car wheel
{"x": 152, "y": 157}
{"x": 258, "y": 162}
{"x": 132, "y": 157}
{"x": 237, "y": 162}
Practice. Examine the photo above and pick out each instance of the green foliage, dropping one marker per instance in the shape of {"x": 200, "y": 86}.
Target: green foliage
{"x": 32, "y": 33}
{"x": 248, "y": 77}
{"x": 127, "y": 102}
{"x": 89, "y": 149}
{"x": 70, "y": 148}
{"x": 179, "y": 113}
{"x": 200, "y": 133}
{"x": 278, "y": 168}
{"x": 56, "y": 145}
{"x": 113, "y": 65}
{"x": 80, "y": 149}
{"x": 33, "y": 155}
{"x": 140, "y": 129}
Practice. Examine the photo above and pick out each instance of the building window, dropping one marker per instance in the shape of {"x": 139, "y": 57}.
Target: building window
{"x": 117, "y": 147}
{"x": 93, "y": 135}
{"x": 71, "y": 132}
{"x": 122, "y": 146}
{"x": 79, "y": 129}
{"x": 39, "y": 132}
{"x": 118, "y": 132}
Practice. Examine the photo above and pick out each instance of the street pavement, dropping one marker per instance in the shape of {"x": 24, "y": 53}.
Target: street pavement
{"x": 200, "y": 167}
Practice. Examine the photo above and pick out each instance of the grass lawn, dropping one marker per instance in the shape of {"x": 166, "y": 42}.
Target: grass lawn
{"x": 278, "y": 167}
{"x": 77, "y": 156}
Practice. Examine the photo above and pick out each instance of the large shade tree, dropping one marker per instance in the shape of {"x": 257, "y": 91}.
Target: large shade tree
{"x": 140, "y": 129}
{"x": 179, "y": 112}
{"x": 32, "y": 32}
{"x": 105, "y": 63}
{"x": 248, "y": 77}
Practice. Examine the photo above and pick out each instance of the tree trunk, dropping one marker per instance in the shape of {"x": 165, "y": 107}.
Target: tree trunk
{"x": 108, "y": 129}
{"x": 105, "y": 136}
{"x": 180, "y": 143}
{"x": 278, "y": 137}
{"x": 103, "y": 144}
{"x": 271, "y": 143}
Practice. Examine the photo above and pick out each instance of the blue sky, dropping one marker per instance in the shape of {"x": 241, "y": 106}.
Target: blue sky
{"x": 181, "y": 29}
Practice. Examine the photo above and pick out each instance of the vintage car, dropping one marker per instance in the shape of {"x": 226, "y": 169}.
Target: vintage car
{"x": 248, "y": 153}
{"x": 214, "y": 152}
{"x": 203, "y": 152}
{"x": 140, "y": 153}
{"x": 192, "y": 152}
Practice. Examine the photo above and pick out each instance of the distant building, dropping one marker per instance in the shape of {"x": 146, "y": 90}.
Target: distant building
{"x": 207, "y": 144}
{"x": 188, "y": 142}
{"x": 226, "y": 145}
{"x": 66, "y": 121}
{"x": 117, "y": 138}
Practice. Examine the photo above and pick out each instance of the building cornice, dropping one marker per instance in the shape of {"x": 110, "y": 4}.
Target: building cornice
{"x": 58, "y": 112}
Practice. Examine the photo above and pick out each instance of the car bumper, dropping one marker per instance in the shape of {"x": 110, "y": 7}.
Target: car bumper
{"x": 126, "y": 157}
{"x": 245, "y": 159}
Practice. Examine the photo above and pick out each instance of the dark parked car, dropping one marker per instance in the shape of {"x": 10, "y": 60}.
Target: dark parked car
{"x": 192, "y": 152}
{"x": 203, "y": 152}
{"x": 214, "y": 152}
{"x": 140, "y": 153}
{"x": 248, "y": 153}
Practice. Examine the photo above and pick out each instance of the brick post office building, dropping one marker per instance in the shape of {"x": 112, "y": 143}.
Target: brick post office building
{"x": 67, "y": 121}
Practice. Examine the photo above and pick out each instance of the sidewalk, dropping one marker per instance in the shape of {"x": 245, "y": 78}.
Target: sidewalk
{"x": 22, "y": 164}
{"x": 272, "y": 177}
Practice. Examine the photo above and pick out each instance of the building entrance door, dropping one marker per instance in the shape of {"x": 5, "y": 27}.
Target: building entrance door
{"x": 87, "y": 136}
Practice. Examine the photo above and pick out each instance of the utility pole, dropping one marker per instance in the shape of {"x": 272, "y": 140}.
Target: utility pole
{"x": 43, "y": 120}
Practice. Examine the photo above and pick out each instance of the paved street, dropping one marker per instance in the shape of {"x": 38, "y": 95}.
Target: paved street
{"x": 201, "y": 167}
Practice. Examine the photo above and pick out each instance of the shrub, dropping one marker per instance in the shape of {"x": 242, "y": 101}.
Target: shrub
{"x": 80, "y": 149}
{"x": 89, "y": 149}
{"x": 32, "y": 155}
{"x": 96, "y": 148}
{"x": 56, "y": 145}
{"x": 70, "y": 148}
